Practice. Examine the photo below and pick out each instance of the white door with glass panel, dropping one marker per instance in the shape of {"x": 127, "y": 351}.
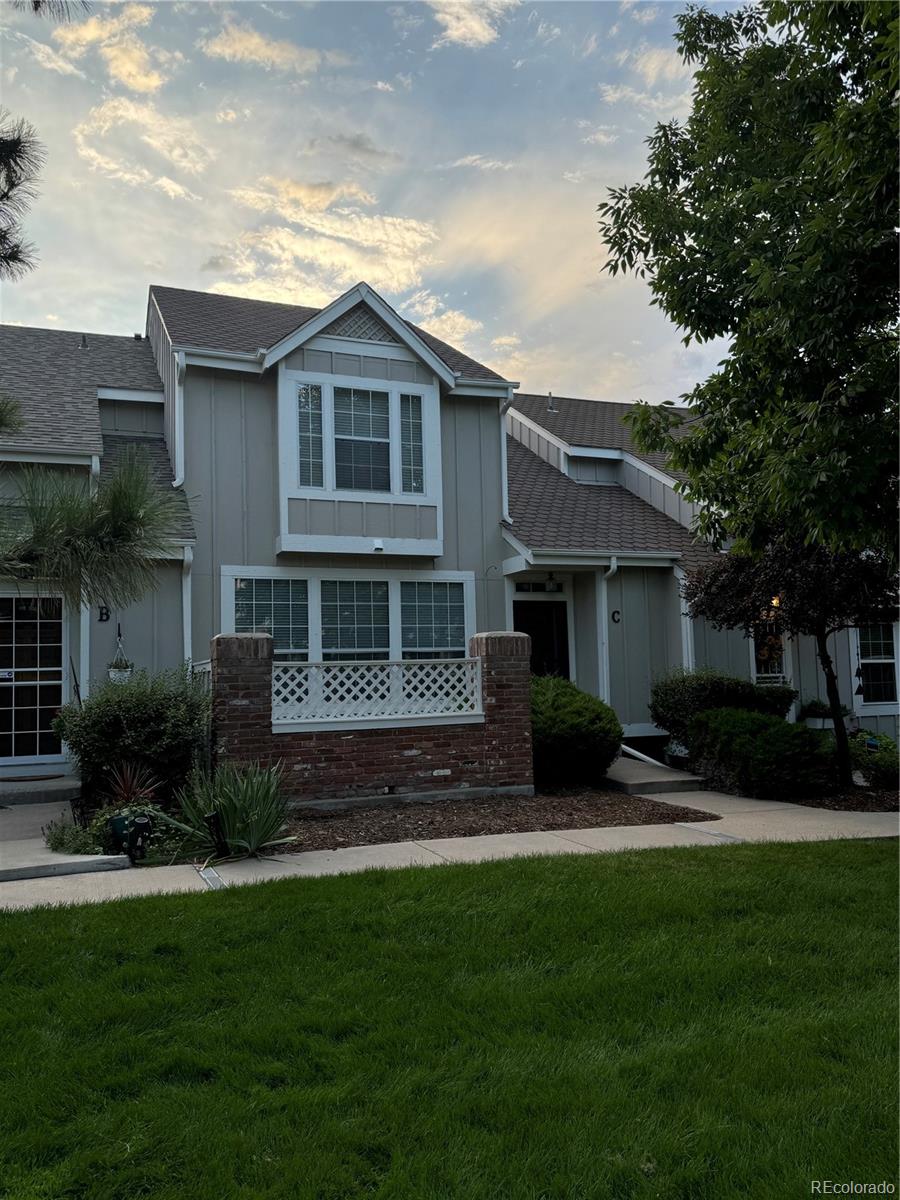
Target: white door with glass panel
{"x": 31, "y": 676}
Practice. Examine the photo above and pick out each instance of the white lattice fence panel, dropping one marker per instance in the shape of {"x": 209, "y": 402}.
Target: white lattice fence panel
{"x": 360, "y": 323}
{"x": 356, "y": 691}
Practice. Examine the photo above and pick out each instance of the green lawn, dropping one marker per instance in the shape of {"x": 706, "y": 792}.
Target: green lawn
{"x": 674, "y": 1023}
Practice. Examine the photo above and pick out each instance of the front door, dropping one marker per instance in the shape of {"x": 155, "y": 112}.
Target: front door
{"x": 31, "y": 675}
{"x": 546, "y": 623}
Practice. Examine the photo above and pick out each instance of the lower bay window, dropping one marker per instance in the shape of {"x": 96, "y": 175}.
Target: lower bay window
{"x": 876, "y": 670}
{"x": 340, "y": 616}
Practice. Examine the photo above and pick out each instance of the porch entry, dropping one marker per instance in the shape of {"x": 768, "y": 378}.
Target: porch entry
{"x": 547, "y": 624}
{"x": 31, "y": 675}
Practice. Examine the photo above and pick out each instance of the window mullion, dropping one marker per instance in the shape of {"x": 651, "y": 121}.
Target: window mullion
{"x": 314, "y": 603}
{"x": 394, "y": 427}
{"x": 396, "y": 635}
{"x": 328, "y": 437}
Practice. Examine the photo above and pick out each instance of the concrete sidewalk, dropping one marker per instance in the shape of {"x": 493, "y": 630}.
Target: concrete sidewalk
{"x": 741, "y": 820}
{"x": 23, "y": 850}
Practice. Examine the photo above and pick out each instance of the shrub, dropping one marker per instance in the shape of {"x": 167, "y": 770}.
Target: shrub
{"x": 95, "y": 837}
{"x": 874, "y": 755}
{"x": 676, "y": 698}
{"x": 576, "y": 736}
{"x": 757, "y": 755}
{"x": 157, "y": 723}
{"x": 246, "y": 800}
{"x": 816, "y": 707}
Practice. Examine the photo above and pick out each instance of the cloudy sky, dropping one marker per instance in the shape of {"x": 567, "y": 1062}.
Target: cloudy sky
{"x": 450, "y": 153}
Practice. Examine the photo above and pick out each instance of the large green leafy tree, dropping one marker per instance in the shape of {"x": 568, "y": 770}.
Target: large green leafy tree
{"x": 769, "y": 218}
{"x": 819, "y": 593}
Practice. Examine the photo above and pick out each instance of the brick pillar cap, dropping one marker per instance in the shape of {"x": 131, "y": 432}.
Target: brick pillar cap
{"x": 240, "y": 645}
{"x": 501, "y": 643}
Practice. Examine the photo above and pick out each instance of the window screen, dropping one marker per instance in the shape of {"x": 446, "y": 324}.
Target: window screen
{"x": 279, "y": 607}
{"x": 411, "y": 455}
{"x": 355, "y": 621}
{"x": 362, "y": 449}
{"x": 433, "y": 620}
{"x": 877, "y": 665}
{"x": 309, "y": 416}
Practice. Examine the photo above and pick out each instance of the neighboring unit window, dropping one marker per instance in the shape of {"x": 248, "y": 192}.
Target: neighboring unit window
{"x": 279, "y": 607}
{"x": 433, "y": 620}
{"x": 877, "y": 664}
{"x": 355, "y": 621}
{"x": 768, "y": 651}
{"x": 309, "y": 408}
{"x": 411, "y": 454}
{"x": 362, "y": 448}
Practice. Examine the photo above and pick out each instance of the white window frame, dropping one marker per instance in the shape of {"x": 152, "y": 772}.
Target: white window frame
{"x": 10, "y": 762}
{"x": 786, "y": 678}
{"x": 314, "y": 577}
{"x": 290, "y": 440}
{"x": 880, "y": 708}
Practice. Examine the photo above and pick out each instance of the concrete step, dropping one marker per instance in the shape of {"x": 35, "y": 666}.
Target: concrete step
{"x": 641, "y": 779}
{"x": 39, "y": 791}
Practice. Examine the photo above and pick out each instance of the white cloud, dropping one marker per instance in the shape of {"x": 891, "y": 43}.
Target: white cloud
{"x": 46, "y": 57}
{"x": 644, "y": 14}
{"x": 172, "y": 138}
{"x": 472, "y": 23}
{"x": 505, "y": 342}
{"x": 239, "y": 42}
{"x": 405, "y": 19}
{"x": 382, "y": 86}
{"x": 659, "y": 104}
{"x": 226, "y": 116}
{"x": 51, "y": 317}
{"x": 588, "y": 46}
{"x": 574, "y": 176}
{"x": 449, "y": 324}
{"x": 479, "y": 162}
{"x": 294, "y": 200}
{"x": 126, "y": 58}
{"x": 656, "y": 63}
{"x": 599, "y": 135}
{"x": 543, "y": 30}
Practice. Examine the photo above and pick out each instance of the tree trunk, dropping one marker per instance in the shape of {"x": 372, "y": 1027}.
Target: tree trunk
{"x": 842, "y": 744}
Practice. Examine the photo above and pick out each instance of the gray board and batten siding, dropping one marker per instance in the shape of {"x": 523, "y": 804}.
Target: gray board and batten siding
{"x": 231, "y": 479}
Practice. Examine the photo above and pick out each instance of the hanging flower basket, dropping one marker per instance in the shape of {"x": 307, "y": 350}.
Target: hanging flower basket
{"x": 121, "y": 667}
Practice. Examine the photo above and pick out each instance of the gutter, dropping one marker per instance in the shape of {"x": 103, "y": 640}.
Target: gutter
{"x": 180, "y": 370}
{"x": 603, "y": 626}
{"x": 186, "y": 631}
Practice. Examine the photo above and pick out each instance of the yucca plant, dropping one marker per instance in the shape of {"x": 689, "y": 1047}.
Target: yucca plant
{"x": 244, "y": 803}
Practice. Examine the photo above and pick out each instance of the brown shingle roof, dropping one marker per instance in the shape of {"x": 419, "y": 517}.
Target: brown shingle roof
{"x": 154, "y": 450}
{"x": 54, "y": 380}
{"x": 209, "y": 321}
{"x": 594, "y": 423}
{"x": 550, "y": 511}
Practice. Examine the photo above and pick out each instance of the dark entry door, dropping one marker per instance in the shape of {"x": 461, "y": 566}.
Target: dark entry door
{"x": 546, "y": 623}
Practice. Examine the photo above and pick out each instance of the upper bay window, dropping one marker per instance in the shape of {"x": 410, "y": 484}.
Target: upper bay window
{"x": 360, "y": 439}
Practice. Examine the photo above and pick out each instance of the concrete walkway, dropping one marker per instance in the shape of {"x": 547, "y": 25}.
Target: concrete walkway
{"x": 741, "y": 820}
{"x": 23, "y": 851}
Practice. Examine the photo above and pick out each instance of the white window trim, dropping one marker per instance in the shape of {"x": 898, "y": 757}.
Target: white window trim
{"x": 289, "y": 462}
{"x": 880, "y": 708}
{"x": 9, "y": 762}
{"x": 314, "y": 577}
{"x": 787, "y": 676}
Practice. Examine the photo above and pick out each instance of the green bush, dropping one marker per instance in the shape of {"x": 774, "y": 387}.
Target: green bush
{"x": 249, "y": 804}
{"x": 96, "y": 838}
{"x": 757, "y": 755}
{"x": 676, "y": 698}
{"x": 874, "y": 755}
{"x": 576, "y": 737}
{"x": 156, "y": 722}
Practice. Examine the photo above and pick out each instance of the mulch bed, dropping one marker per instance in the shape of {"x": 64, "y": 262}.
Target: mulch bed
{"x": 858, "y": 799}
{"x": 470, "y": 816}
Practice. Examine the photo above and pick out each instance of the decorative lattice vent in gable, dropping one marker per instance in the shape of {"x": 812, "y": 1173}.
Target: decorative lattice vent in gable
{"x": 361, "y": 323}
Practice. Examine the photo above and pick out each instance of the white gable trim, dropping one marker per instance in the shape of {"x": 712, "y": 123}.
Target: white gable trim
{"x": 362, "y": 293}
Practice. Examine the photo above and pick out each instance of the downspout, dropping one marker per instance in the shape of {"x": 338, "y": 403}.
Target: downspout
{"x": 603, "y": 621}
{"x": 504, "y": 469}
{"x": 180, "y": 368}
{"x": 687, "y": 626}
{"x": 186, "y": 603}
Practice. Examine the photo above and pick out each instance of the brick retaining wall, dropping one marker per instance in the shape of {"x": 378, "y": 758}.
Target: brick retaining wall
{"x": 335, "y": 763}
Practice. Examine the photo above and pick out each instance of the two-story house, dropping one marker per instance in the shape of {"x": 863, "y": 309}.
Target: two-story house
{"x": 365, "y": 493}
